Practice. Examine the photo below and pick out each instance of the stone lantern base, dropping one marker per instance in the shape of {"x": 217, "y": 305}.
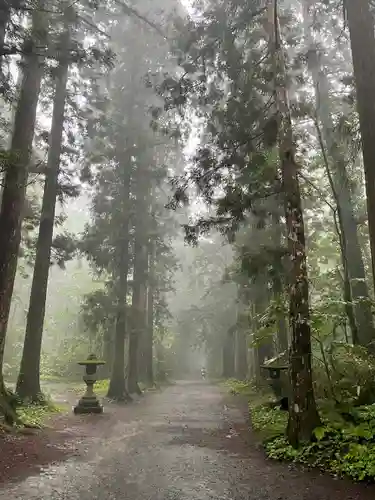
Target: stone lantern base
{"x": 88, "y": 405}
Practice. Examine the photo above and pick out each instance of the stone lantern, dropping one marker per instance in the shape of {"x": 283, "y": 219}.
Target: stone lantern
{"x": 89, "y": 403}
{"x": 277, "y": 370}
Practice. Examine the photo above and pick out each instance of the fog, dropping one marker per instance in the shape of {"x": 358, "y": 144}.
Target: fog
{"x": 187, "y": 212}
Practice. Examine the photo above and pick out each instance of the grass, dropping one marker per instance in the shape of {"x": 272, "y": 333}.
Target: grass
{"x": 36, "y": 415}
{"x": 266, "y": 422}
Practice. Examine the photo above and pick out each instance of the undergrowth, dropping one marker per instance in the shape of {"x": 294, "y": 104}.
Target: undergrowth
{"x": 35, "y": 415}
{"x": 344, "y": 445}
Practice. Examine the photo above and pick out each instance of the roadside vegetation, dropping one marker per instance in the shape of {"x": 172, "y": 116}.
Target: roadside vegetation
{"x": 344, "y": 445}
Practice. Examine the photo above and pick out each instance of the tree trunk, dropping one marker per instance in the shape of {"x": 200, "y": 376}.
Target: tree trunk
{"x": 6, "y": 7}
{"x": 142, "y": 334}
{"x": 349, "y": 309}
{"x": 303, "y": 414}
{"x": 241, "y": 337}
{"x": 228, "y": 355}
{"x": 15, "y": 181}
{"x": 278, "y": 289}
{"x": 148, "y": 359}
{"x": 137, "y": 317}
{"x": 108, "y": 351}
{"x": 28, "y": 383}
{"x": 117, "y": 385}
{"x": 138, "y": 321}
{"x": 241, "y": 354}
{"x": 263, "y": 349}
{"x": 364, "y": 332}
{"x": 362, "y": 38}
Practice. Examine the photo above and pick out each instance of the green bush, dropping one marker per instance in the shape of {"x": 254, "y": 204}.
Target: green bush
{"x": 268, "y": 422}
{"x": 239, "y": 387}
{"x": 347, "y": 449}
{"x": 35, "y": 414}
{"x": 347, "y": 374}
{"x": 344, "y": 445}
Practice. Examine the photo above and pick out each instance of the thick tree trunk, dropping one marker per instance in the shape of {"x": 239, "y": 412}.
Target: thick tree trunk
{"x": 28, "y": 383}
{"x": 137, "y": 313}
{"x": 282, "y": 325}
{"x": 138, "y": 320}
{"x": 361, "y": 28}
{"x": 229, "y": 354}
{"x": 149, "y": 342}
{"x": 6, "y": 7}
{"x": 108, "y": 352}
{"x": 142, "y": 334}
{"x": 349, "y": 309}
{"x": 277, "y": 287}
{"x": 117, "y": 385}
{"x": 15, "y": 181}
{"x": 241, "y": 338}
{"x": 241, "y": 354}
{"x": 303, "y": 414}
{"x": 263, "y": 349}
{"x": 364, "y": 332}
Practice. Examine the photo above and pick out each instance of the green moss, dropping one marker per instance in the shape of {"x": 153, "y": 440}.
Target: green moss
{"x": 101, "y": 387}
{"x": 267, "y": 422}
{"x": 36, "y": 415}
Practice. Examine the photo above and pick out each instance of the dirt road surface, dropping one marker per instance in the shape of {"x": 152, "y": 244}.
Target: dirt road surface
{"x": 187, "y": 442}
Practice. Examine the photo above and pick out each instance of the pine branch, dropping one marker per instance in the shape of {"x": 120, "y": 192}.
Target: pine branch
{"x": 134, "y": 12}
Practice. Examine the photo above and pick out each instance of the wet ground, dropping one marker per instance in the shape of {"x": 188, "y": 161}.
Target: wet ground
{"x": 188, "y": 442}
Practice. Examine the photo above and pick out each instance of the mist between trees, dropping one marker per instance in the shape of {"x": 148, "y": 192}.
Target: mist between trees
{"x": 189, "y": 185}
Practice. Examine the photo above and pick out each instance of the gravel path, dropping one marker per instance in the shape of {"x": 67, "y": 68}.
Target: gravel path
{"x": 185, "y": 443}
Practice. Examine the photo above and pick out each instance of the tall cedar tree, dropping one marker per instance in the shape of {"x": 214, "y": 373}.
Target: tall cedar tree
{"x": 361, "y": 27}
{"x": 363, "y": 330}
{"x": 28, "y": 383}
{"x": 16, "y": 174}
{"x": 303, "y": 414}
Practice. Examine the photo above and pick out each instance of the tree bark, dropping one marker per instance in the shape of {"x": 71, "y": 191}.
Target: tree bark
{"x": 15, "y": 181}
{"x": 364, "y": 332}
{"x": 229, "y": 354}
{"x": 303, "y": 413}
{"x": 28, "y": 383}
{"x": 277, "y": 287}
{"x": 241, "y": 367}
{"x": 362, "y": 38}
{"x": 263, "y": 349}
{"x": 138, "y": 322}
{"x": 241, "y": 354}
{"x": 117, "y": 385}
{"x": 142, "y": 334}
{"x": 108, "y": 350}
{"x": 148, "y": 359}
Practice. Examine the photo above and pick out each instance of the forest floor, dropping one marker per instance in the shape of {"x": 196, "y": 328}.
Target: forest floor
{"x": 189, "y": 441}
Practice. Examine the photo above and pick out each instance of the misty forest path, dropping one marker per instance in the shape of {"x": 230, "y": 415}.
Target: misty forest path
{"x": 184, "y": 443}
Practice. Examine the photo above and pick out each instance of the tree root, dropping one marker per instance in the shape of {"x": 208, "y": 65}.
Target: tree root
{"x": 7, "y": 409}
